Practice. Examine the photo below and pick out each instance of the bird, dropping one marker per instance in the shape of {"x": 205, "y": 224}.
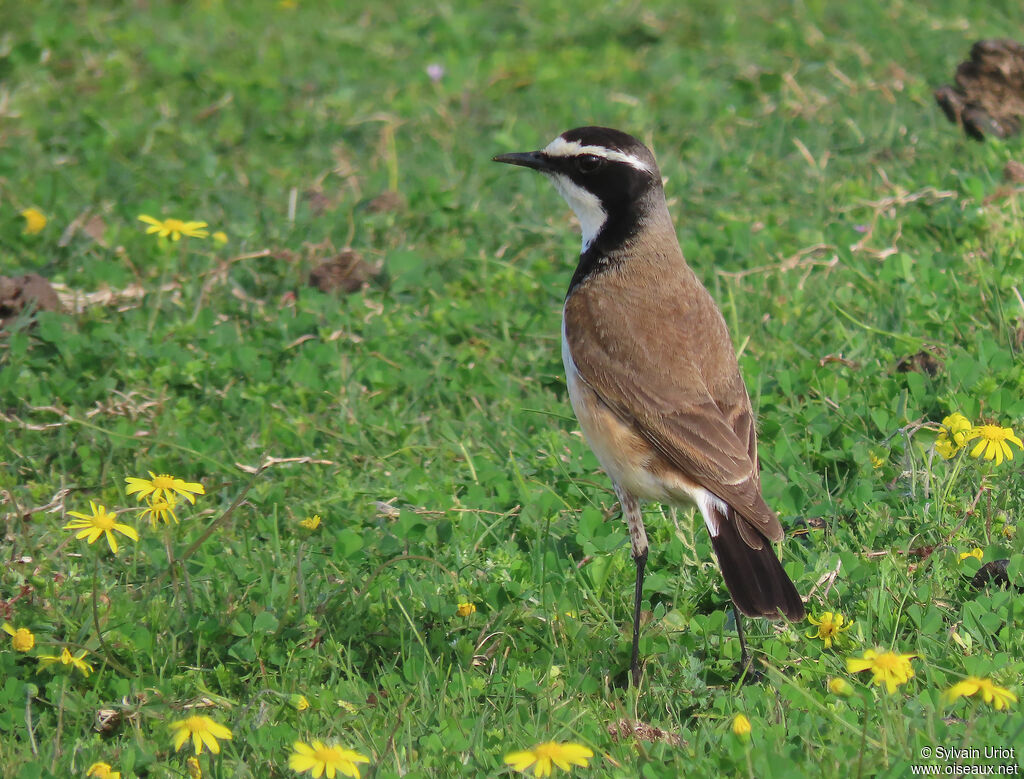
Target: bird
{"x": 652, "y": 374}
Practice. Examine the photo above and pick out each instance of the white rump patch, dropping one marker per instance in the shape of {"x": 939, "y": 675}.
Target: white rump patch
{"x": 563, "y": 148}
{"x": 708, "y": 503}
{"x": 586, "y": 205}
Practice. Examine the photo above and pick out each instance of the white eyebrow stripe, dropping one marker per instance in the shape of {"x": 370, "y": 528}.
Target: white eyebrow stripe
{"x": 563, "y": 148}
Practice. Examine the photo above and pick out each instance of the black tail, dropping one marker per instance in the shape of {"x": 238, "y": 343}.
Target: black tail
{"x": 755, "y": 578}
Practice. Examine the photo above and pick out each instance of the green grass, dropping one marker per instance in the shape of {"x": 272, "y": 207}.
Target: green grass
{"x": 819, "y": 193}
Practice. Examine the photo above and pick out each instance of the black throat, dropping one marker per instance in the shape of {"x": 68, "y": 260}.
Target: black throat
{"x": 604, "y": 252}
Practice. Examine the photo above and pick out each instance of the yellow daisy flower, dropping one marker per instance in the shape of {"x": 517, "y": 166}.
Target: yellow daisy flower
{"x": 741, "y": 726}
{"x": 994, "y": 442}
{"x": 889, "y": 668}
{"x": 66, "y": 658}
{"x": 311, "y": 523}
{"x": 828, "y": 627}
{"x": 839, "y": 686}
{"x": 958, "y": 428}
{"x": 955, "y": 432}
{"x": 161, "y": 486}
{"x": 999, "y": 697}
{"x": 465, "y": 609}
{"x": 100, "y": 522}
{"x": 202, "y": 730}
{"x": 299, "y": 702}
{"x": 320, "y": 759}
{"x": 103, "y": 771}
{"x": 22, "y": 639}
{"x": 550, "y": 753}
{"x": 173, "y": 228}
{"x": 35, "y": 221}
{"x": 976, "y": 552}
{"x": 220, "y": 237}
{"x": 159, "y": 509}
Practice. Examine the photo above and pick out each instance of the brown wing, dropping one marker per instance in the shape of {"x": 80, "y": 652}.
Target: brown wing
{"x": 659, "y": 355}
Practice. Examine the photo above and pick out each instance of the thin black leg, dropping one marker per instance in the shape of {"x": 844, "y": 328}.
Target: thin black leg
{"x": 747, "y": 674}
{"x": 641, "y": 563}
{"x": 744, "y": 656}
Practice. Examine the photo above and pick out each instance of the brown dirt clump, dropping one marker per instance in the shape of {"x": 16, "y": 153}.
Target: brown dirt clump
{"x": 988, "y": 98}
{"x": 346, "y": 271}
{"x": 20, "y": 292}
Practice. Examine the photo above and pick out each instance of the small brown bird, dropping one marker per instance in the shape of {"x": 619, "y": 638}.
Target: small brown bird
{"x": 652, "y": 374}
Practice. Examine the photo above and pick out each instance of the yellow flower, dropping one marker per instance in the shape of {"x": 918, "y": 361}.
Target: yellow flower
{"x": 22, "y": 639}
{"x": 976, "y": 552}
{"x": 220, "y": 237}
{"x": 465, "y": 609}
{"x": 66, "y": 658}
{"x": 299, "y": 702}
{"x": 956, "y": 431}
{"x": 103, "y": 771}
{"x": 35, "y": 221}
{"x": 889, "y": 668}
{"x": 194, "y": 770}
{"x": 741, "y": 726}
{"x": 958, "y": 428}
{"x": 320, "y": 758}
{"x": 311, "y": 523}
{"x": 994, "y": 442}
{"x": 157, "y": 487}
{"x": 543, "y": 756}
{"x": 173, "y": 228}
{"x": 877, "y": 461}
{"x": 159, "y": 509}
{"x": 999, "y": 697}
{"x": 829, "y": 627}
{"x": 101, "y": 522}
{"x": 838, "y": 686}
{"x": 202, "y": 730}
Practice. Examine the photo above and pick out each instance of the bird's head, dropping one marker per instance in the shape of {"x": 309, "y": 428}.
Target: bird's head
{"x": 601, "y": 173}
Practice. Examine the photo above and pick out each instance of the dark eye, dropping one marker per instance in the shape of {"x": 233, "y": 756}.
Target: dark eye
{"x": 588, "y": 163}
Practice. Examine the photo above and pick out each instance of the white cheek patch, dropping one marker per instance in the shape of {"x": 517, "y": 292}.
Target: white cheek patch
{"x": 563, "y": 148}
{"x": 586, "y": 205}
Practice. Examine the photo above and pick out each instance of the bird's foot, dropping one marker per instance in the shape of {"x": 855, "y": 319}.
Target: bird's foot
{"x": 635, "y": 674}
{"x": 747, "y": 674}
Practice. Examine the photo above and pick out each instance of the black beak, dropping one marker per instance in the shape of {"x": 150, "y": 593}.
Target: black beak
{"x": 527, "y": 159}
